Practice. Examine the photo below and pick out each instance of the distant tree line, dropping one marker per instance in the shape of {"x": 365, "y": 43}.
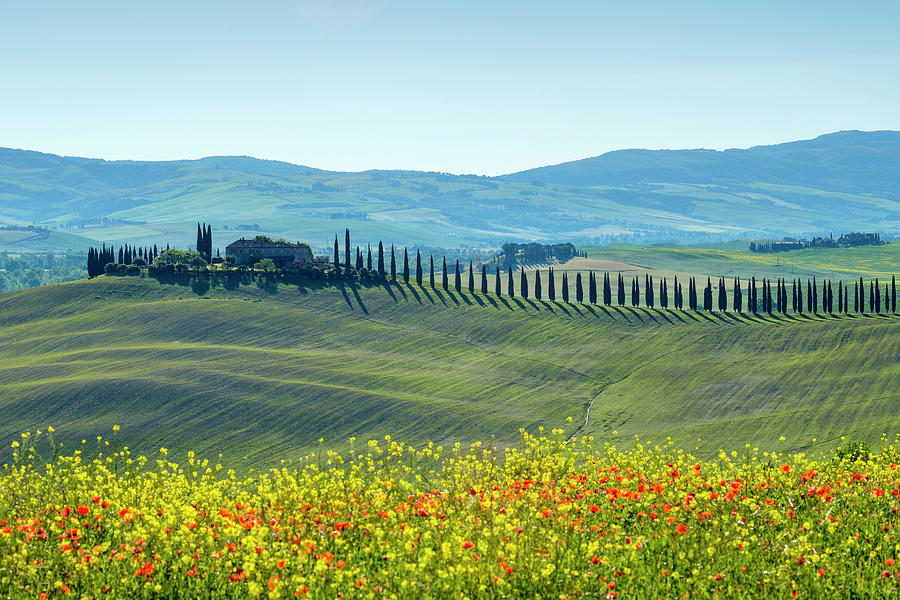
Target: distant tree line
{"x": 848, "y": 239}
{"x": 531, "y": 253}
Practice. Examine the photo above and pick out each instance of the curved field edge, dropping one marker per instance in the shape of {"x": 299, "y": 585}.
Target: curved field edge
{"x": 257, "y": 374}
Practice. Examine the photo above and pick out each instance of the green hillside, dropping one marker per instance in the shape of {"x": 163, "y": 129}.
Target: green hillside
{"x": 260, "y": 373}
{"x": 839, "y": 182}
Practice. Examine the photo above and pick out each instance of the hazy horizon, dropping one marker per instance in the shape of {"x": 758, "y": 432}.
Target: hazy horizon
{"x": 357, "y": 85}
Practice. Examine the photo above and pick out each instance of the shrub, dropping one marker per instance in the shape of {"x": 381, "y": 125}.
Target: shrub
{"x": 111, "y": 268}
{"x": 853, "y": 452}
{"x": 133, "y": 270}
{"x": 139, "y": 261}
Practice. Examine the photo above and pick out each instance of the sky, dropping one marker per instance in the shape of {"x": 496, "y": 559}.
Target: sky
{"x": 485, "y": 87}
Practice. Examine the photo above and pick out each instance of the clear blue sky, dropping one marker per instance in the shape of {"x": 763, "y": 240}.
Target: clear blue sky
{"x": 462, "y": 86}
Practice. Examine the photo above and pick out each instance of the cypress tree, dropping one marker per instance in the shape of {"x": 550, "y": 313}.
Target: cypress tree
{"x": 871, "y": 298}
{"x": 579, "y": 294}
{"x": 523, "y": 283}
{"x": 692, "y": 294}
{"x": 830, "y": 298}
{"x": 862, "y": 296}
{"x": 794, "y": 296}
{"x": 405, "y": 265}
{"x": 551, "y": 286}
{"x": 393, "y": 263}
{"x": 457, "y": 278}
{"x": 537, "y": 284}
{"x": 753, "y": 296}
{"x": 484, "y": 286}
{"x": 369, "y": 257}
{"x": 337, "y": 258}
{"x": 676, "y": 289}
{"x": 663, "y": 294}
{"x": 347, "y": 248}
{"x": 121, "y": 256}
{"x": 431, "y": 270}
{"x": 799, "y": 297}
{"x": 607, "y": 290}
{"x": 855, "y": 297}
{"x": 498, "y": 287}
{"x": 877, "y": 297}
{"x": 510, "y": 287}
{"x": 815, "y": 297}
{"x": 723, "y": 297}
{"x": 444, "y": 277}
{"x": 680, "y": 298}
{"x": 737, "y": 303}
{"x": 359, "y": 259}
{"x": 471, "y": 279}
{"x": 809, "y": 297}
{"x": 199, "y": 245}
{"x": 894, "y": 294}
{"x": 565, "y": 287}
{"x": 620, "y": 292}
{"x": 592, "y": 288}
{"x": 419, "y": 268}
{"x": 380, "y": 258}
{"x": 635, "y": 293}
{"x": 648, "y": 291}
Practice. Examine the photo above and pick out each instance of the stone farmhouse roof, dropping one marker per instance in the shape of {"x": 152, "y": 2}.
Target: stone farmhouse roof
{"x": 242, "y": 243}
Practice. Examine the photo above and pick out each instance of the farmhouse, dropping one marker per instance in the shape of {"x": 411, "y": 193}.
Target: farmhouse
{"x": 282, "y": 253}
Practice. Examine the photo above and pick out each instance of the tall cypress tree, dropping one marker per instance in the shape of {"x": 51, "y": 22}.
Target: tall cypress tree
{"x": 498, "y": 286}
{"x": 663, "y": 294}
{"x": 369, "y": 257}
{"x": 419, "y": 268}
{"x": 855, "y": 297}
{"x": 444, "y": 277}
{"x": 592, "y": 288}
{"x": 393, "y": 263}
{"x": 635, "y": 293}
{"x": 431, "y": 270}
{"x": 723, "y": 297}
{"x": 579, "y": 294}
{"x": 405, "y": 265}
{"x": 648, "y": 291}
{"x": 565, "y": 287}
{"x": 862, "y": 296}
{"x": 551, "y": 286}
{"x": 347, "y": 248}
{"x": 871, "y": 298}
{"x": 471, "y": 279}
{"x": 680, "y": 298}
{"x": 380, "y": 258}
{"x": 537, "y": 284}
{"x": 337, "y": 258}
{"x": 877, "y": 297}
{"x": 523, "y": 284}
{"x": 620, "y": 292}
{"x": 510, "y": 286}
{"x": 359, "y": 259}
{"x": 793, "y": 295}
{"x": 607, "y": 290}
{"x": 692, "y": 294}
{"x": 736, "y": 304}
{"x": 484, "y": 286}
{"x": 457, "y": 278}
{"x": 894, "y": 294}
{"x": 121, "y": 255}
{"x": 200, "y": 245}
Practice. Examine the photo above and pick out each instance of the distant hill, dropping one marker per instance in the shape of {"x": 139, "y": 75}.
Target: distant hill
{"x": 837, "y": 182}
{"x": 255, "y": 374}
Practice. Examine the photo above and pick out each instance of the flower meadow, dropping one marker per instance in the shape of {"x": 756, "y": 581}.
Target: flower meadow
{"x": 550, "y": 518}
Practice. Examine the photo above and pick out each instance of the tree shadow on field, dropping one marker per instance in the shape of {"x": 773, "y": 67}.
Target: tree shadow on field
{"x": 427, "y": 295}
{"x": 492, "y": 301}
{"x": 690, "y": 314}
{"x": 620, "y": 312}
{"x": 387, "y": 287}
{"x": 562, "y": 308}
{"x": 634, "y": 312}
{"x": 478, "y": 300}
{"x": 399, "y": 289}
{"x": 548, "y": 306}
{"x": 518, "y": 303}
{"x": 440, "y": 296}
{"x": 664, "y": 314}
{"x": 359, "y": 301}
{"x": 346, "y": 297}
{"x": 647, "y": 312}
{"x": 200, "y": 286}
{"x": 531, "y": 303}
{"x": 504, "y": 302}
{"x": 415, "y": 294}
{"x": 452, "y": 297}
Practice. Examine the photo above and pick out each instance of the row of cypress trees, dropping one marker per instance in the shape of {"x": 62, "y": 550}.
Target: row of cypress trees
{"x": 98, "y": 258}
{"x": 204, "y": 241}
{"x": 764, "y": 297}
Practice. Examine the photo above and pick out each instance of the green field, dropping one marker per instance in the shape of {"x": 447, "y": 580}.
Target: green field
{"x": 258, "y": 373}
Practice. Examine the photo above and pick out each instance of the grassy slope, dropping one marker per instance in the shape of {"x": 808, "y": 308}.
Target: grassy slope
{"x": 259, "y": 375}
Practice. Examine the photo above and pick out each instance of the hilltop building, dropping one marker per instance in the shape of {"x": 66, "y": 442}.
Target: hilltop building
{"x": 283, "y": 254}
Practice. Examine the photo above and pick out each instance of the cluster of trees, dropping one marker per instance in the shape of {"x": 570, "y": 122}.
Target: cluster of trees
{"x": 534, "y": 253}
{"x": 103, "y": 259}
{"x": 204, "y": 241}
{"x": 848, "y": 239}
{"x": 28, "y": 270}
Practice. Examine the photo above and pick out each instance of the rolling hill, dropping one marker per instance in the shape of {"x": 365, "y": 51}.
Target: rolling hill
{"x": 837, "y": 182}
{"x": 258, "y": 373}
